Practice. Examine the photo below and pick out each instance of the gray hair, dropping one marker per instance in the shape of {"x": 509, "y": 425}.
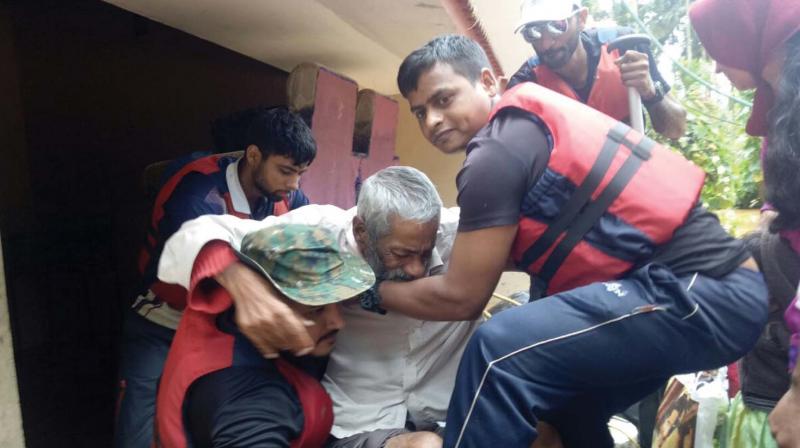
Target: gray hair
{"x": 397, "y": 191}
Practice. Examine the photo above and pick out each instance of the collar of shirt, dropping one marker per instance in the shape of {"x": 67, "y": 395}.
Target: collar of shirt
{"x": 238, "y": 198}
{"x": 592, "y": 45}
{"x": 593, "y": 48}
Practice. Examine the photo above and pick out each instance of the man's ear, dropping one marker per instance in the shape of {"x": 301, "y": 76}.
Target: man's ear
{"x": 253, "y": 155}
{"x": 360, "y": 231}
{"x": 489, "y": 82}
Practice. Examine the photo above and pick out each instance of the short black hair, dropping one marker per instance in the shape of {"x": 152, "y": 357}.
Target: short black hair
{"x": 229, "y": 132}
{"x": 460, "y": 52}
{"x": 281, "y": 132}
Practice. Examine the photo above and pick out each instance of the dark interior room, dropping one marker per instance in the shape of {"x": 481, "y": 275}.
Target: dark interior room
{"x": 92, "y": 94}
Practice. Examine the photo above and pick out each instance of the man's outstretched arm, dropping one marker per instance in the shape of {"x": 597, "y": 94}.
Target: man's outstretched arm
{"x": 477, "y": 261}
{"x": 668, "y": 117}
{"x": 784, "y": 418}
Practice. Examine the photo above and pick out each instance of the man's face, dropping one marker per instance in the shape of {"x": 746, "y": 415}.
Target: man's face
{"x": 276, "y": 176}
{"x": 555, "y": 51}
{"x": 403, "y": 254}
{"x": 327, "y": 321}
{"x": 449, "y": 108}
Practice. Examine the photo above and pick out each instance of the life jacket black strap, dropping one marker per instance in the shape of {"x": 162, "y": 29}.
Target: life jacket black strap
{"x": 591, "y": 213}
{"x": 579, "y": 198}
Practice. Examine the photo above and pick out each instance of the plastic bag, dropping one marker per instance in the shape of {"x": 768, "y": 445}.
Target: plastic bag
{"x": 690, "y": 412}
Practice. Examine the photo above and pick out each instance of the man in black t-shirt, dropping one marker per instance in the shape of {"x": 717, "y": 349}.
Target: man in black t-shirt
{"x": 573, "y": 359}
{"x": 692, "y": 301}
{"x": 574, "y": 61}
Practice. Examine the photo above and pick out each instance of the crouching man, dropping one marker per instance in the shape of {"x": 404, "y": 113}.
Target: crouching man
{"x": 217, "y": 389}
{"x": 390, "y": 376}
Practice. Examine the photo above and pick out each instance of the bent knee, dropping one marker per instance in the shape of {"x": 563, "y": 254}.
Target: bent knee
{"x": 421, "y": 439}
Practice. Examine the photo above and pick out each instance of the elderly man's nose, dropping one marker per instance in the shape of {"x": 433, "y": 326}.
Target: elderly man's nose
{"x": 415, "y": 268}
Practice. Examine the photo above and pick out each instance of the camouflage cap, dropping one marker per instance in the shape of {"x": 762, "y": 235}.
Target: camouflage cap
{"x": 306, "y": 263}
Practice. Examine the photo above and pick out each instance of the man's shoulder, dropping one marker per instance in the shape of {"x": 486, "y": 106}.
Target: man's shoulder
{"x": 199, "y": 185}
{"x": 337, "y": 220}
{"x": 525, "y": 73}
{"x": 203, "y": 173}
{"x": 207, "y": 165}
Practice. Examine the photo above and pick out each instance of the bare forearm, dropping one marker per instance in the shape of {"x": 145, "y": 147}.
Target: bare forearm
{"x": 432, "y": 299}
{"x": 783, "y": 419}
{"x": 668, "y": 118}
{"x": 476, "y": 263}
{"x": 261, "y": 315}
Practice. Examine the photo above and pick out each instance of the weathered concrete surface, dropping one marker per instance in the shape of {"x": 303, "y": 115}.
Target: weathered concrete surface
{"x": 10, "y": 418}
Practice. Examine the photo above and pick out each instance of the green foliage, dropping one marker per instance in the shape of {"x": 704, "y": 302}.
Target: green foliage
{"x": 661, "y": 16}
{"x": 716, "y": 141}
{"x": 715, "y": 138}
{"x": 739, "y": 222}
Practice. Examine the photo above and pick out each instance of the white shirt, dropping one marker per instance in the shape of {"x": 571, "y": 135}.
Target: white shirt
{"x": 238, "y": 198}
{"x": 384, "y": 369}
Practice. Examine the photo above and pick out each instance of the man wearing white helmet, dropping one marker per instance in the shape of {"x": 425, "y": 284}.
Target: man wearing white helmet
{"x": 573, "y": 60}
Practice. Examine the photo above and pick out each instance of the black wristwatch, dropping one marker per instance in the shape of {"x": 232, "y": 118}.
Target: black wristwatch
{"x": 660, "y": 92}
{"x": 371, "y": 301}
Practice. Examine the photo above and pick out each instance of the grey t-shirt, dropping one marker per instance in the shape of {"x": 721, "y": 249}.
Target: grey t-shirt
{"x": 509, "y": 155}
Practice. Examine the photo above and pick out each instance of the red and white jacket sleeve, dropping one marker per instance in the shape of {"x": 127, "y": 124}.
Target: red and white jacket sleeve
{"x": 205, "y": 294}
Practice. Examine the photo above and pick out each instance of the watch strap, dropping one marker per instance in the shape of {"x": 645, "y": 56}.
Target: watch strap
{"x": 370, "y": 300}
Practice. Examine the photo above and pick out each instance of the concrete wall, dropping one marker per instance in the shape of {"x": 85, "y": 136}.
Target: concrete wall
{"x": 10, "y": 417}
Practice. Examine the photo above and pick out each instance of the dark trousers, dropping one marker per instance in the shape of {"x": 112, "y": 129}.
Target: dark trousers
{"x": 143, "y": 353}
{"x": 576, "y": 358}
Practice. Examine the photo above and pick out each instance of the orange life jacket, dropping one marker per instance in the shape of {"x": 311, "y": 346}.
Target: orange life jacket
{"x": 200, "y": 348}
{"x": 607, "y": 199}
{"x": 608, "y": 95}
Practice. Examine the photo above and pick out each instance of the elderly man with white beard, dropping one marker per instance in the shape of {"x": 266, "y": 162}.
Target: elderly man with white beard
{"x": 390, "y": 376}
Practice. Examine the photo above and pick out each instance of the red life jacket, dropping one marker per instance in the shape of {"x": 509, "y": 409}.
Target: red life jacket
{"x": 200, "y": 348}
{"x": 607, "y": 199}
{"x": 609, "y": 95}
{"x": 175, "y": 295}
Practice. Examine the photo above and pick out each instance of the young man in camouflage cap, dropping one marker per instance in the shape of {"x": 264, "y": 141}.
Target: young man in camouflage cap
{"x": 217, "y": 388}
